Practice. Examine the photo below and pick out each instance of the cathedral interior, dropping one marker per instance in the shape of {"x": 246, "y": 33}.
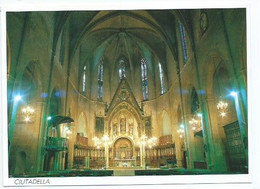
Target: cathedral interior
{"x": 149, "y": 91}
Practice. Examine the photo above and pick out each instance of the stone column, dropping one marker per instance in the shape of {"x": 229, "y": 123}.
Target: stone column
{"x": 56, "y": 161}
{"x": 41, "y": 135}
{"x": 62, "y": 160}
{"x": 141, "y": 156}
{"x": 71, "y": 141}
{"x": 217, "y": 152}
{"x": 242, "y": 123}
{"x": 107, "y": 155}
{"x": 178, "y": 149}
{"x": 189, "y": 142}
{"x": 178, "y": 145}
{"x": 144, "y": 156}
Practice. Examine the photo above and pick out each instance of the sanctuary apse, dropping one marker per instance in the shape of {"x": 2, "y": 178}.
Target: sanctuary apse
{"x": 124, "y": 132}
{"x": 153, "y": 91}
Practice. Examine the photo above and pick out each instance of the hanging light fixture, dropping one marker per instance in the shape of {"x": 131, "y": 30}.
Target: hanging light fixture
{"x": 180, "y": 131}
{"x": 97, "y": 142}
{"x": 152, "y": 142}
{"x": 194, "y": 123}
{"x": 104, "y": 141}
{"x": 222, "y": 107}
{"x": 28, "y": 112}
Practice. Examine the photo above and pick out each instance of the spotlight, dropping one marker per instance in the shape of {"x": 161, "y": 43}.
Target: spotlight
{"x": 49, "y": 118}
{"x": 233, "y": 93}
{"x": 17, "y": 98}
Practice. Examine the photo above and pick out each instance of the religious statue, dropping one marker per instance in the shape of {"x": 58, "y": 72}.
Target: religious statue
{"x": 122, "y": 125}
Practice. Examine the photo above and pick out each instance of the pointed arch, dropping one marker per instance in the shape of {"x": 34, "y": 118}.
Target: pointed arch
{"x": 55, "y": 102}
{"x": 127, "y": 106}
{"x": 29, "y": 84}
{"x": 195, "y": 103}
{"x": 82, "y": 125}
{"x": 166, "y": 124}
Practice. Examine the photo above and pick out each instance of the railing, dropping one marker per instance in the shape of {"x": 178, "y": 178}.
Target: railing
{"x": 164, "y": 140}
{"x": 82, "y": 141}
{"x": 56, "y": 144}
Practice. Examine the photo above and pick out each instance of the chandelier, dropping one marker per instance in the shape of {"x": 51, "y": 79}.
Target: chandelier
{"x": 180, "y": 131}
{"x": 152, "y": 142}
{"x": 103, "y": 142}
{"x": 97, "y": 142}
{"x": 222, "y": 108}
{"x": 28, "y": 113}
{"x": 142, "y": 140}
{"x": 194, "y": 124}
{"x": 145, "y": 141}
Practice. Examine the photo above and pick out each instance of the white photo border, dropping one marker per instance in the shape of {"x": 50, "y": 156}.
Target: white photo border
{"x": 248, "y": 180}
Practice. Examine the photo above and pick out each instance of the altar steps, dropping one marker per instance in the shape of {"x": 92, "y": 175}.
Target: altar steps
{"x": 124, "y": 172}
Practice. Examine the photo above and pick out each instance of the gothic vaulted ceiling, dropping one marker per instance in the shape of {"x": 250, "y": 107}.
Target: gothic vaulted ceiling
{"x": 116, "y": 34}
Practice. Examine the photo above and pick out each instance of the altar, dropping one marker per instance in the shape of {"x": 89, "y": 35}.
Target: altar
{"x": 124, "y": 163}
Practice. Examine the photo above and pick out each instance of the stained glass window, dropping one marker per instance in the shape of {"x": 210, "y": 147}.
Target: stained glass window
{"x": 121, "y": 69}
{"x": 162, "y": 82}
{"x": 100, "y": 79}
{"x": 84, "y": 80}
{"x": 184, "y": 43}
{"x": 144, "y": 79}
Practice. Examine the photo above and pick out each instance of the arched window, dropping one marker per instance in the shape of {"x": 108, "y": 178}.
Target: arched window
{"x": 144, "y": 79}
{"x": 162, "y": 82}
{"x": 184, "y": 43}
{"x": 121, "y": 69}
{"x": 100, "y": 79}
{"x": 84, "y": 80}
{"x": 195, "y": 103}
